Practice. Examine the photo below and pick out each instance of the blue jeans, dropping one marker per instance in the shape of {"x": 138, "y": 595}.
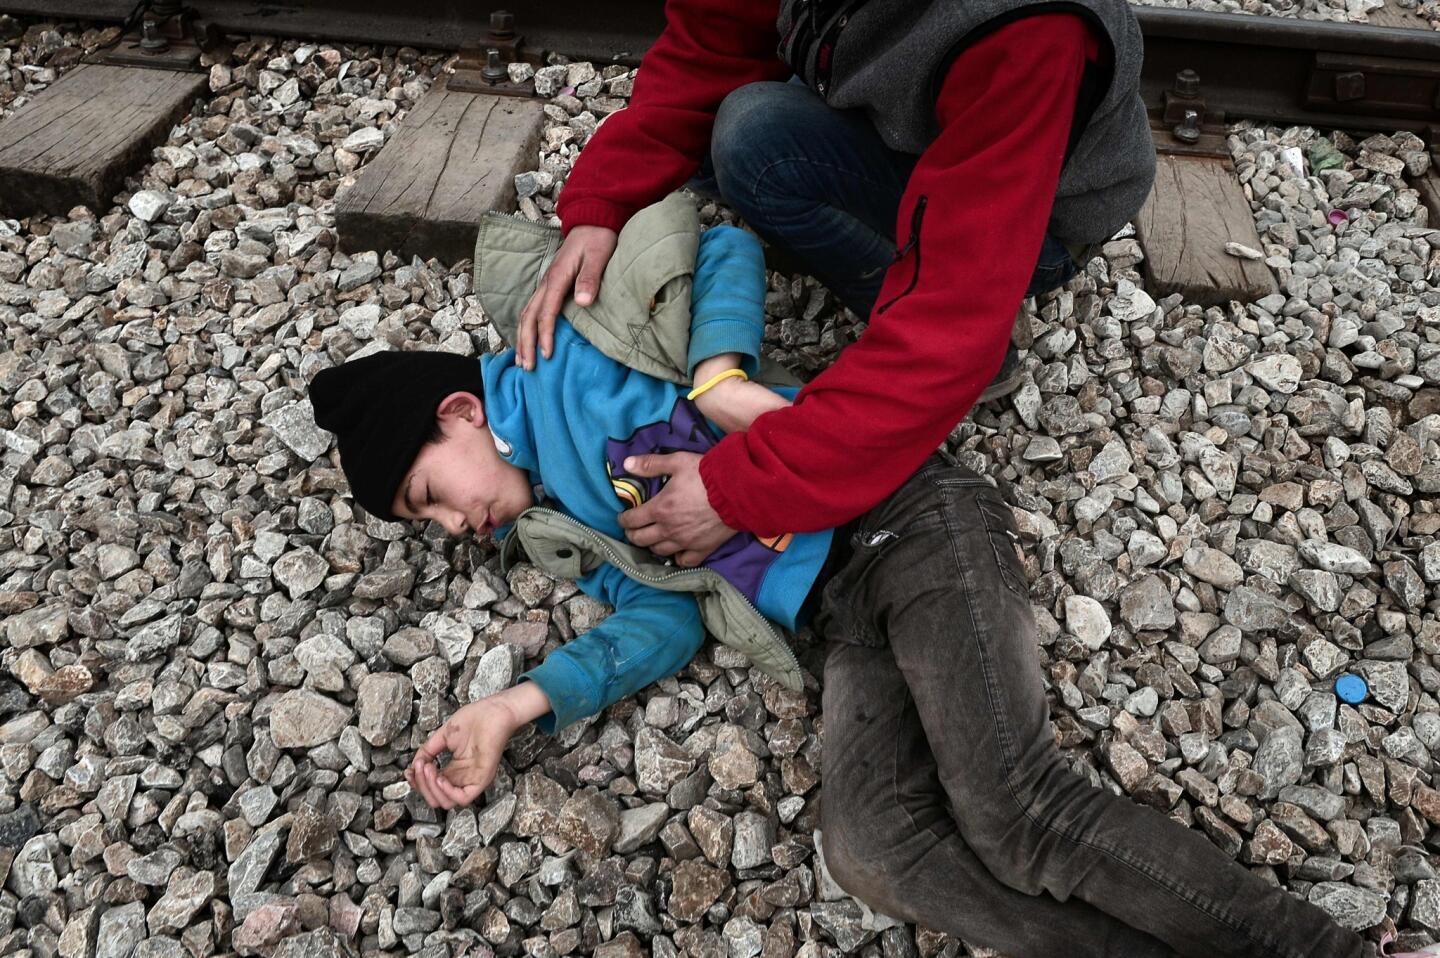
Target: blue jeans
{"x": 821, "y": 184}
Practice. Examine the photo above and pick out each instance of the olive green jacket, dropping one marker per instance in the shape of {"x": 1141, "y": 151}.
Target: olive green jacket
{"x": 640, "y": 318}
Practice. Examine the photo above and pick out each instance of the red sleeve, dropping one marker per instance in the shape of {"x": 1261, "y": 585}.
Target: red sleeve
{"x": 650, "y": 148}
{"x": 940, "y": 326}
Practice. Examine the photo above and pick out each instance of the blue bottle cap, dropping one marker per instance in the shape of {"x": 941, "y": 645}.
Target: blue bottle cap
{"x": 1351, "y": 688}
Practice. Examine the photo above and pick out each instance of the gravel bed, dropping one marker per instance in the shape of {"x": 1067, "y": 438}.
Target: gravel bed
{"x": 213, "y": 669}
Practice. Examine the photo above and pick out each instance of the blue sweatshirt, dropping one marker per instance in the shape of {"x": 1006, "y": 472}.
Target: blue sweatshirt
{"x": 571, "y": 422}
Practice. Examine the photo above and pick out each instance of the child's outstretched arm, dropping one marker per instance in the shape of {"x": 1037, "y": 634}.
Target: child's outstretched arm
{"x": 652, "y": 634}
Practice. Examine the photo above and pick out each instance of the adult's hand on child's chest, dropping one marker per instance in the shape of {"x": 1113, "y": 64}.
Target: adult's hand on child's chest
{"x": 679, "y": 520}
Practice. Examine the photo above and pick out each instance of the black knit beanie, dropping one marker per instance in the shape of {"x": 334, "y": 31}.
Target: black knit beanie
{"x": 381, "y": 408}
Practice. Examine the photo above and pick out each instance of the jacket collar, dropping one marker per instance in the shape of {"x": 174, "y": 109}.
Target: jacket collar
{"x": 646, "y": 284}
{"x": 505, "y": 411}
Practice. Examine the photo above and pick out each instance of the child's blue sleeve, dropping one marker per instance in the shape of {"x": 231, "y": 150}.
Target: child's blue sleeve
{"x": 727, "y": 299}
{"x": 650, "y": 635}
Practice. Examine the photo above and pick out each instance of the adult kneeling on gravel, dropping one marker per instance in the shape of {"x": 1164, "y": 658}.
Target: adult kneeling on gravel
{"x": 932, "y": 163}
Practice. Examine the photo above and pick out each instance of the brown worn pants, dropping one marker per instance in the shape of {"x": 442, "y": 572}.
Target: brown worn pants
{"x": 946, "y": 801}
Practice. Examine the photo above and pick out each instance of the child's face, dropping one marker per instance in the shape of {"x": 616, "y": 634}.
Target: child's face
{"x": 461, "y": 482}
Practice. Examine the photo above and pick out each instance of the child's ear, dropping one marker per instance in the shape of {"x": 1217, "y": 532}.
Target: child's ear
{"x": 462, "y": 405}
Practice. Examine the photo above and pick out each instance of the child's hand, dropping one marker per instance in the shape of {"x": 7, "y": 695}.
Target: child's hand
{"x": 475, "y": 736}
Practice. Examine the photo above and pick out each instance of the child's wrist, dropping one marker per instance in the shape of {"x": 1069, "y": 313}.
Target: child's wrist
{"x": 523, "y": 702}
{"x": 713, "y": 401}
{"x": 714, "y": 365}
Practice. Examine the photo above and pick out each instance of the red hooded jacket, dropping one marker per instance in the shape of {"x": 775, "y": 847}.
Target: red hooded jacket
{"x": 943, "y": 318}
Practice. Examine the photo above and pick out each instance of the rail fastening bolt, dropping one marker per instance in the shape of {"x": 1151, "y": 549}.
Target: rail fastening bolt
{"x": 151, "y": 41}
{"x": 502, "y": 24}
{"x": 1188, "y": 130}
{"x": 494, "y": 70}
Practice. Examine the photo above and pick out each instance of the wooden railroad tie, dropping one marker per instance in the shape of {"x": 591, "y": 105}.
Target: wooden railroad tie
{"x": 76, "y": 142}
{"x": 1196, "y": 207}
{"x": 455, "y": 157}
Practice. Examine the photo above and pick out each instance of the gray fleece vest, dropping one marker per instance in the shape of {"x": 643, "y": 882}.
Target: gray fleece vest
{"x": 887, "y": 57}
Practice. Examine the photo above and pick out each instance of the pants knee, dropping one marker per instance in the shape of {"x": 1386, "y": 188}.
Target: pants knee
{"x": 844, "y": 862}
{"x": 855, "y": 856}
{"x": 748, "y": 127}
{"x": 1013, "y": 841}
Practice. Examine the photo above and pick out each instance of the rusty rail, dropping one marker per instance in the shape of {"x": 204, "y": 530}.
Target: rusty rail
{"x": 1263, "y": 68}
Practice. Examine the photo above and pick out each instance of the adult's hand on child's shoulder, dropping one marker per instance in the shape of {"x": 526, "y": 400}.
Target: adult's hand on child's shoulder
{"x": 578, "y": 264}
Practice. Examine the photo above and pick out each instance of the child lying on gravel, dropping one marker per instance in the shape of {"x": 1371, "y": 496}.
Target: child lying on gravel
{"x": 463, "y": 442}
{"x": 947, "y": 801}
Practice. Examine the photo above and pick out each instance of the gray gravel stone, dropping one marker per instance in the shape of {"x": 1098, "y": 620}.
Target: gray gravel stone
{"x": 303, "y": 719}
{"x": 1332, "y": 557}
{"x": 121, "y": 929}
{"x": 383, "y": 703}
{"x": 1147, "y": 604}
{"x": 640, "y": 826}
{"x": 300, "y": 571}
{"x": 294, "y": 425}
{"x": 1280, "y": 760}
{"x": 1356, "y": 908}
{"x": 1425, "y": 906}
{"x": 1213, "y": 566}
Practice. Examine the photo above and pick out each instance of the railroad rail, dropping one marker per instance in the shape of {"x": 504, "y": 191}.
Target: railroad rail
{"x": 1202, "y": 72}
{"x": 1355, "y": 76}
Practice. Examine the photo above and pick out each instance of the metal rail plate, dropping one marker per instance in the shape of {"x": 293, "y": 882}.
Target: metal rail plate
{"x": 1275, "y": 70}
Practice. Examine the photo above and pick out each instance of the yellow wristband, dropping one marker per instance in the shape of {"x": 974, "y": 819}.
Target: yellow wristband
{"x": 716, "y": 379}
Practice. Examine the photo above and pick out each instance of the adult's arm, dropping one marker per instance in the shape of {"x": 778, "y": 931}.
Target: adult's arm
{"x": 650, "y": 148}
{"x": 980, "y": 196}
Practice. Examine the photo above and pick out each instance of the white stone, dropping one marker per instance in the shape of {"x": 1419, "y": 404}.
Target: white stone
{"x": 1333, "y": 557}
{"x": 300, "y": 571}
{"x": 150, "y": 205}
{"x": 361, "y": 320}
{"x": 1130, "y": 302}
{"x": 1280, "y": 372}
{"x": 1087, "y": 621}
{"x": 494, "y": 672}
{"x": 364, "y": 139}
{"x": 295, "y": 426}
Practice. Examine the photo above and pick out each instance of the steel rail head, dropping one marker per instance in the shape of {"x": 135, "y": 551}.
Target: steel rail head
{"x": 1271, "y": 69}
{"x": 1247, "y": 30}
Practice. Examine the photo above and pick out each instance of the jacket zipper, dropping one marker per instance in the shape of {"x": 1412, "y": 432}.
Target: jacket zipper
{"x": 625, "y": 566}
{"x": 802, "y": 33}
{"x": 520, "y": 217}
{"x": 912, "y": 243}
{"x": 827, "y": 38}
